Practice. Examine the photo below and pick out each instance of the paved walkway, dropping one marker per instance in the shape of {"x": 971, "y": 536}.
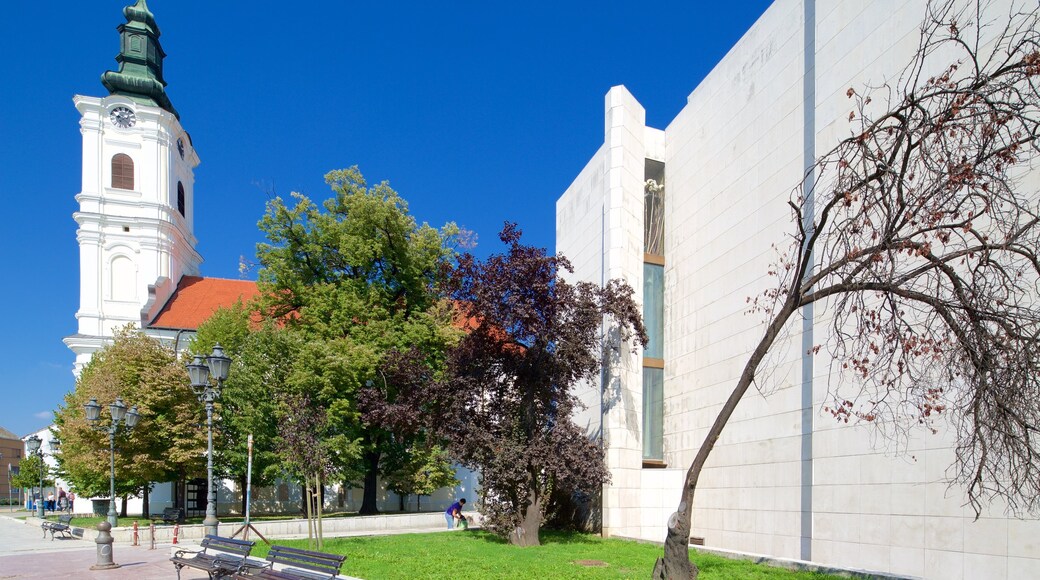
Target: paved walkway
{"x": 24, "y": 553}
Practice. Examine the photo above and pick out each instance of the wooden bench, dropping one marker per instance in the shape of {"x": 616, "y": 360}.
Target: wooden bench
{"x": 219, "y": 556}
{"x": 59, "y": 527}
{"x": 170, "y": 515}
{"x": 298, "y": 565}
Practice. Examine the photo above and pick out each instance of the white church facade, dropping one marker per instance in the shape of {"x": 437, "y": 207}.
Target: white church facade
{"x": 136, "y": 206}
{"x": 785, "y": 480}
{"x": 137, "y": 249}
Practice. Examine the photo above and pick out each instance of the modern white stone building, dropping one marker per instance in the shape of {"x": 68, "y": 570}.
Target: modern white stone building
{"x": 785, "y": 479}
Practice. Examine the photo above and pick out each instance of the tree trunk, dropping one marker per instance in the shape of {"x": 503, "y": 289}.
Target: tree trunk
{"x": 310, "y": 522}
{"x": 318, "y": 504}
{"x": 401, "y": 498}
{"x": 146, "y": 507}
{"x": 526, "y": 534}
{"x": 676, "y": 561}
{"x": 676, "y": 565}
{"x": 368, "y": 504}
{"x": 122, "y": 509}
{"x": 418, "y": 502}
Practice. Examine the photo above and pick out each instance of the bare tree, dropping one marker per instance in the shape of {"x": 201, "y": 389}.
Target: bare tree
{"x": 920, "y": 238}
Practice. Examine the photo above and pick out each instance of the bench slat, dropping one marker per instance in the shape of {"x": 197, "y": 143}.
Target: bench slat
{"x": 229, "y": 559}
{"x": 168, "y": 515}
{"x": 59, "y": 527}
{"x": 301, "y": 563}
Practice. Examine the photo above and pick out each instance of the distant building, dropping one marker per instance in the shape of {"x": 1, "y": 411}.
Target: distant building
{"x": 11, "y": 452}
{"x": 694, "y": 243}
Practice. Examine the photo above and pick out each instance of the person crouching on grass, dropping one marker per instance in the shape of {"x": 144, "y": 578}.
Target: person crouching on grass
{"x": 455, "y": 513}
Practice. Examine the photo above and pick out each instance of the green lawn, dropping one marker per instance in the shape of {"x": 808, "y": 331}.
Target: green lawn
{"x": 477, "y": 554}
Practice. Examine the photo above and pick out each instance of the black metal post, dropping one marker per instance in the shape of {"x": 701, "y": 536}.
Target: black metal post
{"x": 39, "y": 502}
{"x": 211, "y": 522}
{"x": 200, "y": 371}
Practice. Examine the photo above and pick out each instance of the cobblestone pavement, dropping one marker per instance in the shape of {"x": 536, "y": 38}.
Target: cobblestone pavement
{"x": 25, "y": 554}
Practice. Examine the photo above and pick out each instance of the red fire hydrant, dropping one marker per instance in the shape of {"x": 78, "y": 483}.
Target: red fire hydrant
{"x": 135, "y": 533}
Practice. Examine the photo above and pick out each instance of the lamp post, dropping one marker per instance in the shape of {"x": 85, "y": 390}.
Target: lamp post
{"x": 201, "y": 370}
{"x": 34, "y": 446}
{"x": 119, "y": 413}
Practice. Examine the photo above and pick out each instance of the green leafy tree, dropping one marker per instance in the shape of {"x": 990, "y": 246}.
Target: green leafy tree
{"x": 166, "y": 443}
{"x": 420, "y": 470}
{"x": 357, "y": 276}
{"x": 262, "y": 358}
{"x": 28, "y": 475}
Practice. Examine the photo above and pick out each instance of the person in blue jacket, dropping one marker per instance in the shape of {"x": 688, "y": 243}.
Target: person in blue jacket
{"x": 454, "y": 512}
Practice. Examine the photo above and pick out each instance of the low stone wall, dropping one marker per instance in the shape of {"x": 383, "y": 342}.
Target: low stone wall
{"x": 331, "y": 527}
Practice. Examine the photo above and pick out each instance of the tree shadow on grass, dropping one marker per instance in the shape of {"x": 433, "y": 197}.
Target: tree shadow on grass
{"x": 560, "y": 537}
{"x": 545, "y": 537}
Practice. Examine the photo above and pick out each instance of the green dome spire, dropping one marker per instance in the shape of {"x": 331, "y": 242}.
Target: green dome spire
{"x": 140, "y": 60}
{"x": 139, "y": 13}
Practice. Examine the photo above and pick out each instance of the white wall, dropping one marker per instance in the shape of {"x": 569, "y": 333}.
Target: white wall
{"x": 733, "y": 155}
{"x": 286, "y": 497}
{"x": 581, "y": 215}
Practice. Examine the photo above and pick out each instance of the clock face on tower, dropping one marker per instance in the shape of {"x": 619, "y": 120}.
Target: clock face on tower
{"x": 122, "y": 117}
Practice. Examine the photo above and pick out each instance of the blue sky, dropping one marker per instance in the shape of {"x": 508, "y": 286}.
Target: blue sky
{"x": 476, "y": 112}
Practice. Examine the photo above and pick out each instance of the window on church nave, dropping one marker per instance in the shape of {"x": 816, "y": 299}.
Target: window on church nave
{"x": 180, "y": 198}
{"x": 122, "y": 171}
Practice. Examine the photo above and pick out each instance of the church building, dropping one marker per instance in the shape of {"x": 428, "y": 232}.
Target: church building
{"x": 138, "y": 259}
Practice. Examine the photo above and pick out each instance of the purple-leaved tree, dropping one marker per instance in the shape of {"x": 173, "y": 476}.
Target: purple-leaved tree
{"x": 506, "y": 404}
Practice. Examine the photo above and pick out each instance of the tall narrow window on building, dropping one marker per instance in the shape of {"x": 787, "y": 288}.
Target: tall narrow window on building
{"x": 653, "y": 415}
{"x": 653, "y": 314}
{"x": 122, "y": 171}
{"x": 653, "y": 208}
{"x": 653, "y": 309}
{"x": 180, "y": 198}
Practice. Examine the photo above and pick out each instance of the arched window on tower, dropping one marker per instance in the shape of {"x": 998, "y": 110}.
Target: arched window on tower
{"x": 122, "y": 171}
{"x": 180, "y": 198}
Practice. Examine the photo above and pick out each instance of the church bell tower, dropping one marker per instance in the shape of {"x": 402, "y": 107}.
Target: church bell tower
{"x": 136, "y": 206}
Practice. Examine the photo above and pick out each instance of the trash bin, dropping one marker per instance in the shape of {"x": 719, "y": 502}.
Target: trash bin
{"x": 99, "y": 506}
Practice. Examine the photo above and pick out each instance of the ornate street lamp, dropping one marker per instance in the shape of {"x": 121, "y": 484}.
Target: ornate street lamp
{"x": 119, "y": 415}
{"x": 34, "y": 446}
{"x": 201, "y": 370}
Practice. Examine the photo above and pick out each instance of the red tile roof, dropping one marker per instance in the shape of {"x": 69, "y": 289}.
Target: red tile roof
{"x": 196, "y": 298}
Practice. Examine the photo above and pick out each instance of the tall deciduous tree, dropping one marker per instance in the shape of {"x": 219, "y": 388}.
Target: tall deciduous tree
{"x": 357, "y": 276}
{"x": 920, "y": 238}
{"x": 506, "y": 407}
{"x": 165, "y": 445}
